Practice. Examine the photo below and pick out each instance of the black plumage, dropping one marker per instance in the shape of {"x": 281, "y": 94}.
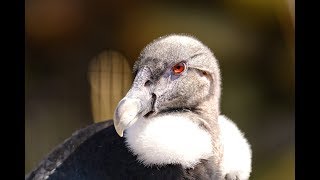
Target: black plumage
{"x": 98, "y": 153}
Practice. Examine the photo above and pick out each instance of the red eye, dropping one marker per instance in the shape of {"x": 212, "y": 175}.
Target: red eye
{"x": 179, "y": 68}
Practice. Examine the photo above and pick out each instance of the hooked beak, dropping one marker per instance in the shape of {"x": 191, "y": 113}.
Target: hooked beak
{"x": 137, "y": 103}
{"x": 126, "y": 114}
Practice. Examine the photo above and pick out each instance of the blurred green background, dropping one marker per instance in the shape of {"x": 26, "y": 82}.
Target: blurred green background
{"x": 253, "y": 41}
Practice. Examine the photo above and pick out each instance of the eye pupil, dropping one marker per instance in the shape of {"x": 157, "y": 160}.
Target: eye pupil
{"x": 178, "y": 68}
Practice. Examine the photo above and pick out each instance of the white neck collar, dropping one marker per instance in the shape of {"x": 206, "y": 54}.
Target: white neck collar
{"x": 168, "y": 139}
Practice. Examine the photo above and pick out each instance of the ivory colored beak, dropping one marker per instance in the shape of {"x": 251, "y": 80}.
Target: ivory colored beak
{"x": 126, "y": 114}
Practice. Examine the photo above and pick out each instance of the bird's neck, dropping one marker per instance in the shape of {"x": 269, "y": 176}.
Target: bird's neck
{"x": 209, "y": 110}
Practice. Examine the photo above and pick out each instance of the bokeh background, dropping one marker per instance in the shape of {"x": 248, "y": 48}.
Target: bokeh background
{"x": 79, "y": 55}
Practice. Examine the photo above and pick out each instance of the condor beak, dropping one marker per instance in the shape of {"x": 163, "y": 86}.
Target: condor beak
{"x": 126, "y": 114}
{"x": 137, "y": 103}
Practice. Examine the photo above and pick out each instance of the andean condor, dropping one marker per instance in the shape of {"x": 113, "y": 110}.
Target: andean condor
{"x": 168, "y": 126}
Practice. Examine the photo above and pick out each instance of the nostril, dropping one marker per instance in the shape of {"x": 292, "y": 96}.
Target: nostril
{"x": 147, "y": 84}
{"x": 153, "y": 97}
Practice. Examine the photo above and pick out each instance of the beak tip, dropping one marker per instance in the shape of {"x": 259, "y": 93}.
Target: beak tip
{"x": 118, "y": 128}
{"x": 120, "y": 133}
{"x": 126, "y": 114}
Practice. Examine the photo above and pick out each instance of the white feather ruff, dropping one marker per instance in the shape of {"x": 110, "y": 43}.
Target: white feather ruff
{"x": 237, "y": 151}
{"x": 168, "y": 139}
